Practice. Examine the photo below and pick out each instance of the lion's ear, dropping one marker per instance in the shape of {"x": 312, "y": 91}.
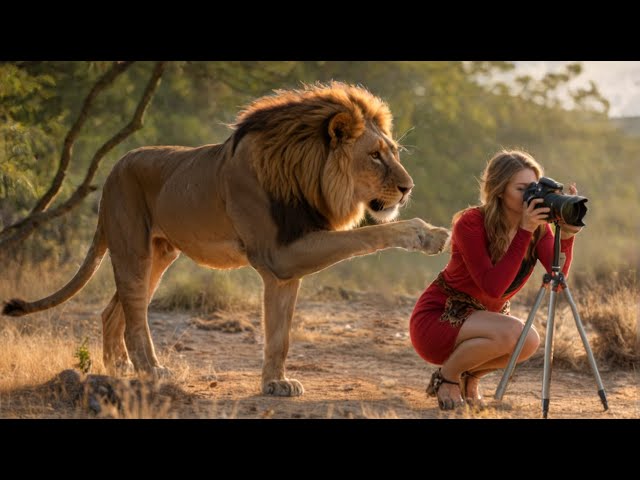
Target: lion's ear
{"x": 341, "y": 127}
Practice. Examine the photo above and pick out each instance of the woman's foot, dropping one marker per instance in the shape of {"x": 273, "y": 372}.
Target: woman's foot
{"x": 447, "y": 391}
{"x": 469, "y": 385}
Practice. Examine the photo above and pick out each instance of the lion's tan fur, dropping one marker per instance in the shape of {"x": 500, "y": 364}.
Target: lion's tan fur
{"x": 301, "y": 167}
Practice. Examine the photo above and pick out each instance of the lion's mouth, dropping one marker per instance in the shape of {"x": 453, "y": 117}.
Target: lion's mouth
{"x": 376, "y": 205}
{"x": 382, "y": 212}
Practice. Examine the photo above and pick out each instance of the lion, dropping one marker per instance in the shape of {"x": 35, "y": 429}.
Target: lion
{"x": 285, "y": 194}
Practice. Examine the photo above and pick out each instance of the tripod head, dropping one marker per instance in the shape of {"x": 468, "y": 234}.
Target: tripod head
{"x": 556, "y": 277}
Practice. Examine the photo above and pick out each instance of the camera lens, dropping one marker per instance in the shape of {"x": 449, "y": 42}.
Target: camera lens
{"x": 570, "y": 208}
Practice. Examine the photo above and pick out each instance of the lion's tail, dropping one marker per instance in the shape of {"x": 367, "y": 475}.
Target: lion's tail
{"x": 17, "y": 307}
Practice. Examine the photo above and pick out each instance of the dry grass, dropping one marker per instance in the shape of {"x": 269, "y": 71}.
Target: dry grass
{"x": 300, "y": 334}
{"x": 29, "y": 358}
{"x": 32, "y": 357}
{"x": 611, "y": 309}
{"x": 35, "y": 349}
{"x": 609, "y": 312}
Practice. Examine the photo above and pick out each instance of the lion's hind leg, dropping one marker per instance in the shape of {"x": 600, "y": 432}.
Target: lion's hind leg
{"x": 116, "y": 358}
{"x": 132, "y": 274}
{"x": 127, "y": 227}
{"x": 114, "y": 351}
{"x": 279, "y": 304}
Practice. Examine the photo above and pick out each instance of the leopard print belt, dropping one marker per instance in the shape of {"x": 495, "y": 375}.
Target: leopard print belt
{"x": 460, "y": 305}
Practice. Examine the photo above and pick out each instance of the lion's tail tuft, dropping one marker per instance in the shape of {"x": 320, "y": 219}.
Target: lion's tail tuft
{"x": 15, "y": 308}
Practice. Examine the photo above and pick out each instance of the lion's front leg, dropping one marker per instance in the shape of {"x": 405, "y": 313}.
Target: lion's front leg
{"x": 279, "y": 303}
{"x": 318, "y": 250}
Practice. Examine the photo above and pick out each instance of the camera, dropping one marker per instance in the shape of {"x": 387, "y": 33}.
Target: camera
{"x": 569, "y": 208}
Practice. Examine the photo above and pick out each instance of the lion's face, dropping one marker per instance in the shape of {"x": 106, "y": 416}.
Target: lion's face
{"x": 339, "y": 173}
{"x": 380, "y": 182}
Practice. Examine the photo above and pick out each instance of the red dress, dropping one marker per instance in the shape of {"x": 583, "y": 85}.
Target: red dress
{"x": 471, "y": 271}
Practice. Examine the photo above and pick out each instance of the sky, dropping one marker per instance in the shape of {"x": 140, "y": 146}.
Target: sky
{"x": 618, "y": 82}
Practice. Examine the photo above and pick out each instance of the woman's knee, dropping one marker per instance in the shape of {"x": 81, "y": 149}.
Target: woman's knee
{"x": 510, "y": 333}
{"x": 531, "y": 343}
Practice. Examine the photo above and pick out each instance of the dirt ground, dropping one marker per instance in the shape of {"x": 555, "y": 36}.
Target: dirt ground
{"x": 352, "y": 353}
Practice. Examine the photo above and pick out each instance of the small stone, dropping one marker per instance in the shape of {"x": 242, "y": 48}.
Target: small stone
{"x": 388, "y": 383}
{"x": 180, "y": 347}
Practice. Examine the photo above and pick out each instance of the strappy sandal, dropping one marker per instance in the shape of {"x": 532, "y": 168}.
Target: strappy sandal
{"x": 471, "y": 401}
{"x": 432, "y": 390}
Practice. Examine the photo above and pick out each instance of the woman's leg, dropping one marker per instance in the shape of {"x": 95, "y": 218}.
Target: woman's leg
{"x": 484, "y": 343}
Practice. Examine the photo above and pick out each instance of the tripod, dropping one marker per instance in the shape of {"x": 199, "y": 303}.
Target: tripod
{"x": 557, "y": 282}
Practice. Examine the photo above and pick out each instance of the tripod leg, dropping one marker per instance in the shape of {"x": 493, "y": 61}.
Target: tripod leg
{"x": 548, "y": 352}
{"x": 585, "y": 342}
{"x": 508, "y": 371}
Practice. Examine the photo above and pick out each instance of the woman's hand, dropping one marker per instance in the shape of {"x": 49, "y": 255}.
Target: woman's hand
{"x": 533, "y": 217}
{"x": 568, "y": 231}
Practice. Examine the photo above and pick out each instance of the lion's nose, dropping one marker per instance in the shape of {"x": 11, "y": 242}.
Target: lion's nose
{"x": 404, "y": 190}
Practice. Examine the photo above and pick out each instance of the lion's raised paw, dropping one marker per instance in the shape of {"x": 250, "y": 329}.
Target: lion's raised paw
{"x": 426, "y": 238}
{"x": 437, "y": 241}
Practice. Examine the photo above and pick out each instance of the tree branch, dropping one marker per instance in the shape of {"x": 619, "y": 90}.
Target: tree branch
{"x": 33, "y": 221}
{"x": 43, "y": 203}
{"x": 106, "y": 80}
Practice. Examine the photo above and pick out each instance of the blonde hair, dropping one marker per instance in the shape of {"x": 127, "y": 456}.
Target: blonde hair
{"x": 493, "y": 182}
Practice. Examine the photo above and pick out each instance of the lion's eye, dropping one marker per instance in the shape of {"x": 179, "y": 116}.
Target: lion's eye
{"x": 376, "y": 156}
